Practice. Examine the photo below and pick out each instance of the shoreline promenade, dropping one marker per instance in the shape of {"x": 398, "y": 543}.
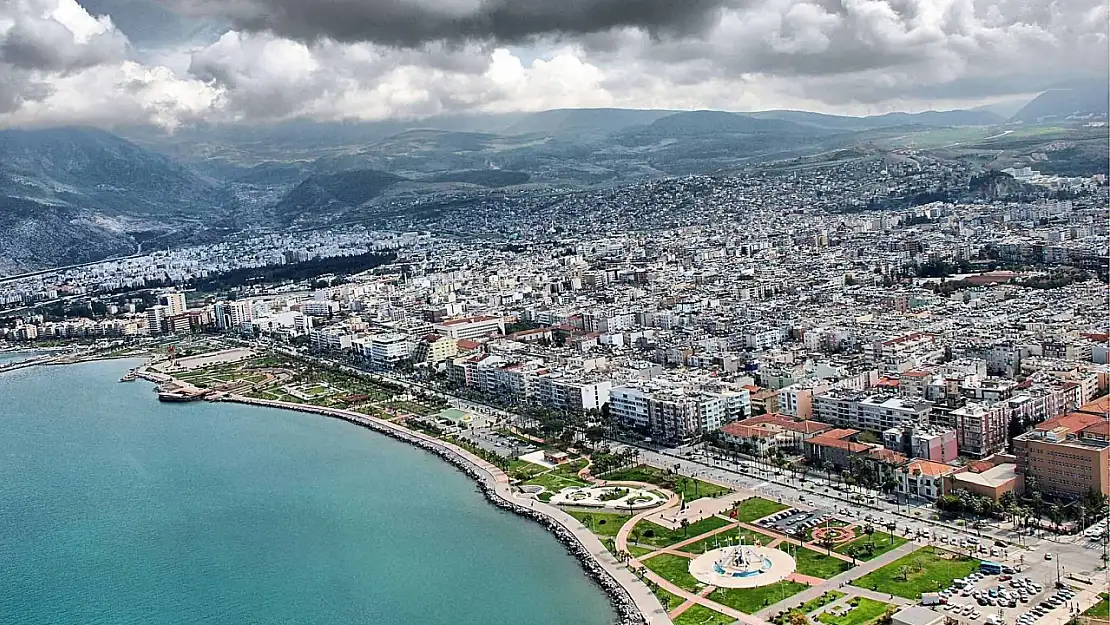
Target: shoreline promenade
{"x": 496, "y": 483}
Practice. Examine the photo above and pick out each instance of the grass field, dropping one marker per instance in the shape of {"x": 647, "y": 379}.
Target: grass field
{"x": 562, "y": 476}
{"x": 656, "y": 535}
{"x": 823, "y": 600}
{"x": 674, "y": 569}
{"x": 865, "y": 611}
{"x": 687, "y": 486}
{"x": 882, "y": 543}
{"x": 638, "y": 551}
{"x": 701, "y": 615}
{"x": 1101, "y": 609}
{"x": 816, "y": 564}
{"x": 600, "y": 523}
{"x": 926, "y": 570}
{"x": 757, "y": 508}
{"x": 710, "y": 543}
{"x": 669, "y": 600}
{"x": 752, "y": 600}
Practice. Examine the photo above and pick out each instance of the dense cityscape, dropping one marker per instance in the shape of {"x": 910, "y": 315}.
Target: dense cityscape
{"x": 950, "y": 356}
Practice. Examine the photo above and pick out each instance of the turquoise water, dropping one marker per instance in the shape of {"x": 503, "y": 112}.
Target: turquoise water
{"x": 118, "y": 510}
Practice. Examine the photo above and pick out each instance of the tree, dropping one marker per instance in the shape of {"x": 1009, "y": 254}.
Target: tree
{"x": 797, "y": 617}
{"x": 869, "y": 530}
{"x": 685, "y": 527}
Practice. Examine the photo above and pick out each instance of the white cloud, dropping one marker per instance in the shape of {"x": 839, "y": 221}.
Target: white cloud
{"x": 59, "y": 64}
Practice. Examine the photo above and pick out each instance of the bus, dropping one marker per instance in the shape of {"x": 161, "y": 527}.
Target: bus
{"x": 990, "y": 568}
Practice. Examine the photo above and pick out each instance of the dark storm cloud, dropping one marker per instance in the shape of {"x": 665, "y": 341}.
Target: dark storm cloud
{"x": 409, "y": 23}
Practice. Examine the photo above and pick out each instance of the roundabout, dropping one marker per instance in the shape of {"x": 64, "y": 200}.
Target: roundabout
{"x": 742, "y": 566}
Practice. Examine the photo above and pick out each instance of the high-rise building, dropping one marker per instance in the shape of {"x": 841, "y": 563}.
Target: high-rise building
{"x": 174, "y": 301}
{"x": 155, "y": 319}
{"x": 232, "y": 315}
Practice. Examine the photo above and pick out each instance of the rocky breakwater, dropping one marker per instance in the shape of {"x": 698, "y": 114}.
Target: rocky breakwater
{"x": 627, "y": 611}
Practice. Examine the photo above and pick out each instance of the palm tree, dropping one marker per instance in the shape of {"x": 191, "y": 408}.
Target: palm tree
{"x": 685, "y": 527}
{"x": 869, "y": 531}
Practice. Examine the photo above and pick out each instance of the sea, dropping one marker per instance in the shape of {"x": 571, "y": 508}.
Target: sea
{"x": 116, "y": 509}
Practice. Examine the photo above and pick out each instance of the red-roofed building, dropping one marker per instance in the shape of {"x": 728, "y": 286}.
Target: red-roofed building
{"x": 923, "y": 478}
{"x": 835, "y": 446}
{"x": 772, "y": 430}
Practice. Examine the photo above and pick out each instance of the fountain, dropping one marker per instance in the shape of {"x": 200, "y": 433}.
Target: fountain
{"x": 742, "y": 566}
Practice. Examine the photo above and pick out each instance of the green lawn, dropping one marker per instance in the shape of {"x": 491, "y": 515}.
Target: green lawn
{"x": 701, "y": 615}
{"x": 523, "y": 470}
{"x": 756, "y": 508}
{"x": 865, "y": 611}
{"x": 674, "y": 569}
{"x": 555, "y": 480}
{"x": 638, "y": 551}
{"x": 600, "y": 523}
{"x": 817, "y": 564}
{"x": 690, "y": 487}
{"x": 752, "y": 600}
{"x": 669, "y": 600}
{"x": 924, "y": 570}
{"x": 879, "y": 543}
{"x": 709, "y": 543}
{"x": 823, "y": 600}
{"x": 1101, "y": 609}
{"x": 656, "y": 535}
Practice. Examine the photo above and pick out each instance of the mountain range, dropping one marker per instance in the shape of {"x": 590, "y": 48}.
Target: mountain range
{"x": 70, "y": 195}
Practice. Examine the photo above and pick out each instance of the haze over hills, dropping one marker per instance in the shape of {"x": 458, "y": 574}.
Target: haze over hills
{"x": 75, "y": 194}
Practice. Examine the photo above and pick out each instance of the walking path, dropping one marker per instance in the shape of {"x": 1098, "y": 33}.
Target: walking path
{"x": 834, "y": 583}
{"x": 645, "y": 601}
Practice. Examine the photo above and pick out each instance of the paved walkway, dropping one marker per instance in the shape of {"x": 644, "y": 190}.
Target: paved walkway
{"x": 645, "y": 600}
{"x": 834, "y": 583}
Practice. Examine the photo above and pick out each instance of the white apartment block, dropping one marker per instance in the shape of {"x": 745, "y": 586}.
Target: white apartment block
{"x": 862, "y": 411}
{"x": 155, "y": 319}
{"x": 470, "y": 327}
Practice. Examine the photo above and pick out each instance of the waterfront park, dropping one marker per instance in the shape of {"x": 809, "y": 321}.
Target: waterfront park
{"x": 711, "y": 554}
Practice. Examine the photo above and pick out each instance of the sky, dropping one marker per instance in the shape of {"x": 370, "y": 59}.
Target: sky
{"x": 178, "y": 62}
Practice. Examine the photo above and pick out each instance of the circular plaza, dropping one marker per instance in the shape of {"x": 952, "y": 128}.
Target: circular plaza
{"x": 742, "y": 566}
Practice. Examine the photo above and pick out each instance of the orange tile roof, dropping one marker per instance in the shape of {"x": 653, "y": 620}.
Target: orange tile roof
{"x": 1100, "y": 406}
{"x": 1099, "y": 429}
{"x": 747, "y": 431}
{"x": 1073, "y": 422}
{"x": 887, "y": 455}
{"x": 928, "y": 467}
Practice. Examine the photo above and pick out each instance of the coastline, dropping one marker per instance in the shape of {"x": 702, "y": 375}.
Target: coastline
{"x": 634, "y": 603}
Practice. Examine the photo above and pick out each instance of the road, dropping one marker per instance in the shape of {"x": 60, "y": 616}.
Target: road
{"x": 1072, "y": 557}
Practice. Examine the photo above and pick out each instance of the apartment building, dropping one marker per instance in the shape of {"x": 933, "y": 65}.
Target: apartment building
{"x": 470, "y": 327}
{"x": 232, "y": 315}
{"x": 156, "y": 319}
{"x": 1066, "y": 456}
{"x": 796, "y": 400}
{"x": 676, "y": 412}
{"x": 875, "y": 412}
{"x": 333, "y": 338}
{"x": 981, "y": 429}
{"x": 386, "y": 350}
{"x": 174, "y": 301}
{"x": 434, "y": 349}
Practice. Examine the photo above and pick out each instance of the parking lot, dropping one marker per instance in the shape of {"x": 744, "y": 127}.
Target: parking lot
{"x": 1019, "y": 599}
